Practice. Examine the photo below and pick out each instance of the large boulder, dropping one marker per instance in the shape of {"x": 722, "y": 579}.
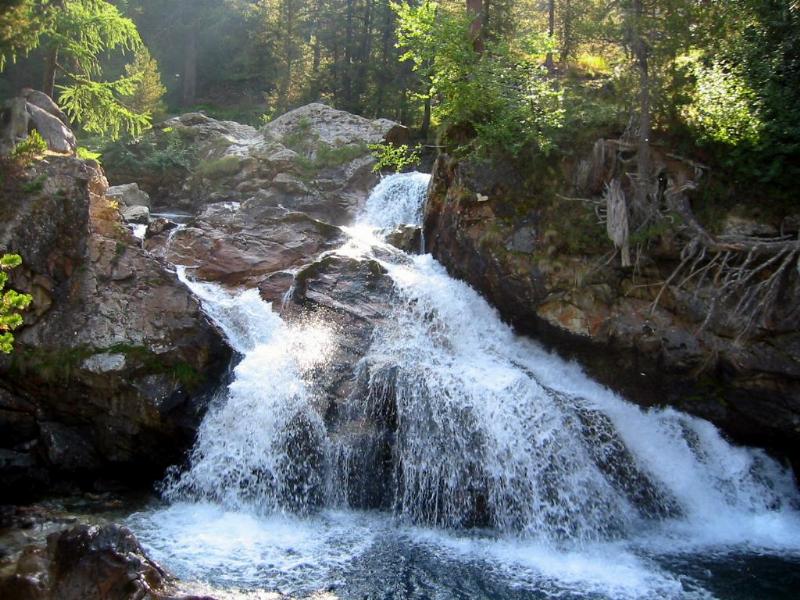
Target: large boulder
{"x": 240, "y": 245}
{"x": 352, "y": 297}
{"x": 314, "y": 159}
{"x": 129, "y": 195}
{"x": 89, "y": 563}
{"x": 536, "y": 252}
{"x": 35, "y": 110}
{"x": 113, "y": 368}
{"x": 332, "y": 127}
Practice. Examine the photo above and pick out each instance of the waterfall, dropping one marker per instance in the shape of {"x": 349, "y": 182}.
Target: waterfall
{"x": 487, "y": 431}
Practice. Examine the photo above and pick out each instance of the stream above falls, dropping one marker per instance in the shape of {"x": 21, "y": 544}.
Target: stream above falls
{"x": 500, "y": 470}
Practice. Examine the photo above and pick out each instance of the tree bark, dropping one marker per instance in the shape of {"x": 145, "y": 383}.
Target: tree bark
{"x": 641, "y": 52}
{"x": 475, "y": 7}
{"x": 551, "y": 31}
{"x": 50, "y": 67}
{"x": 566, "y": 36}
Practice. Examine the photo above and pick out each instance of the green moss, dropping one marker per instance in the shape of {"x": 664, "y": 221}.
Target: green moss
{"x": 60, "y": 365}
{"x": 50, "y": 365}
{"x": 35, "y": 186}
{"x": 220, "y": 167}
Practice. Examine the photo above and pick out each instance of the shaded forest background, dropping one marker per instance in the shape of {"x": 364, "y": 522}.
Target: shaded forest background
{"x": 716, "y": 80}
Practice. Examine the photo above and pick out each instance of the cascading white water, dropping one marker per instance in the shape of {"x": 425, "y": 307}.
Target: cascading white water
{"x": 487, "y": 429}
{"x": 263, "y": 448}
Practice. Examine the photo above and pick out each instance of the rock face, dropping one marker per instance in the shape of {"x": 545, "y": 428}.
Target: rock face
{"x": 34, "y": 109}
{"x": 544, "y": 262}
{"x": 112, "y": 370}
{"x": 313, "y": 159}
{"x": 240, "y": 244}
{"x": 129, "y": 195}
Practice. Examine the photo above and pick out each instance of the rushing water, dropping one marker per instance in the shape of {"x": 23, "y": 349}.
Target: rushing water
{"x": 512, "y": 474}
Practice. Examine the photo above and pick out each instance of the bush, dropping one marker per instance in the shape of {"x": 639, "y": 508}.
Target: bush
{"x": 29, "y": 149}
{"x": 398, "y": 158}
{"x": 12, "y": 303}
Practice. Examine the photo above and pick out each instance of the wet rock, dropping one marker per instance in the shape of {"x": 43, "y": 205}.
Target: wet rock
{"x": 159, "y": 226}
{"x": 103, "y": 298}
{"x": 407, "y": 238}
{"x": 238, "y": 245}
{"x": 539, "y": 260}
{"x": 136, "y": 214}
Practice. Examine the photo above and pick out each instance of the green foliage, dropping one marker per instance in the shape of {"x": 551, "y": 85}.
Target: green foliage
{"x": 22, "y": 23}
{"x": 147, "y": 98}
{"x": 389, "y": 156}
{"x": 79, "y": 34}
{"x": 503, "y": 93}
{"x": 35, "y": 186}
{"x": 157, "y": 152}
{"x": 88, "y": 154}
{"x": 12, "y": 303}
{"x": 723, "y": 108}
{"x": 29, "y": 149}
{"x": 97, "y": 107}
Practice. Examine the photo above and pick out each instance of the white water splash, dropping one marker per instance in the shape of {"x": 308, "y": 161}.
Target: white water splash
{"x": 395, "y": 201}
{"x": 263, "y": 448}
{"x": 584, "y": 491}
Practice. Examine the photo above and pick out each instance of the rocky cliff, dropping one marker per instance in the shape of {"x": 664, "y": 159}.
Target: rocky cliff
{"x": 114, "y": 366}
{"x": 529, "y": 240}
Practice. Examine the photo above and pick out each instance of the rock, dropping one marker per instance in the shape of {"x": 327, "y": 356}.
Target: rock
{"x": 89, "y": 562}
{"x": 332, "y": 127}
{"x": 100, "y": 562}
{"x": 407, "y": 238}
{"x": 314, "y": 160}
{"x": 58, "y": 136}
{"x": 136, "y": 214}
{"x": 115, "y": 371}
{"x": 538, "y": 260}
{"x": 15, "y": 119}
{"x": 241, "y": 244}
{"x": 129, "y": 195}
{"x": 45, "y": 102}
{"x": 159, "y": 226}
{"x": 743, "y": 226}
{"x": 289, "y": 184}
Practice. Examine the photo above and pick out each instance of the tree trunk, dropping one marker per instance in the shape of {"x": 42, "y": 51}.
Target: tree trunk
{"x": 566, "y": 32}
{"x": 426, "y": 119}
{"x": 50, "y": 67}
{"x": 347, "y": 70}
{"x": 641, "y": 55}
{"x": 476, "y": 28}
{"x": 551, "y": 31}
{"x": 190, "y": 69}
{"x": 383, "y": 76}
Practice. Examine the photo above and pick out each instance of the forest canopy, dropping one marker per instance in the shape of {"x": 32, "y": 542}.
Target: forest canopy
{"x": 513, "y": 76}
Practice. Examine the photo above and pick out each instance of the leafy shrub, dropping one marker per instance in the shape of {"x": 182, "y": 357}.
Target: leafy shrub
{"x": 12, "y": 304}
{"x": 389, "y": 156}
{"x": 28, "y": 149}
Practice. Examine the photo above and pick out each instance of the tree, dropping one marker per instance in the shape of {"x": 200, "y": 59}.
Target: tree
{"x": 147, "y": 97}
{"x": 22, "y": 23}
{"x": 12, "y": 304}
{"x": 82, "y": 32}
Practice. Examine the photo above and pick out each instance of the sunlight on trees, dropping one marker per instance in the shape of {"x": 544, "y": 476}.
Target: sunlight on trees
{"x": 12, "y": 304}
